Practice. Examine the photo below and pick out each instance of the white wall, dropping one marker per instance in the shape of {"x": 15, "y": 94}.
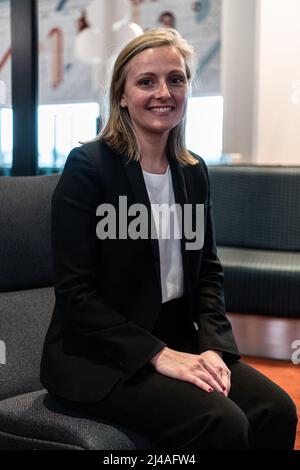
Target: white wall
{"x": 261, "y": 82}
{"x": 238, "y": 75}
{"x": 278, "y": 91}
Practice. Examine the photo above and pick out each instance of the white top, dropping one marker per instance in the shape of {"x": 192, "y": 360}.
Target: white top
{"x": 160, "y": 191}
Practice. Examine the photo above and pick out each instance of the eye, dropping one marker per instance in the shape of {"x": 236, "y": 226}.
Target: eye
{"x": 145, "y": 82}
{"x": 177, "y": 80}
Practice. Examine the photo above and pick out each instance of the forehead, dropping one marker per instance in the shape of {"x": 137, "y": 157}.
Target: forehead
{"x": 156, "y": 59}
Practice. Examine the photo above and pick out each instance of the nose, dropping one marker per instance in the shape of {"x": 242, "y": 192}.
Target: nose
{"x": 162, "y": 91}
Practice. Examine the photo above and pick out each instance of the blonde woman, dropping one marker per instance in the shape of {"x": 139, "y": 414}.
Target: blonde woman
{"x": 139, "y": 334}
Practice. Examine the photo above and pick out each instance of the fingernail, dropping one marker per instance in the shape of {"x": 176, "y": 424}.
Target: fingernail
{"x": 210, "y": 390}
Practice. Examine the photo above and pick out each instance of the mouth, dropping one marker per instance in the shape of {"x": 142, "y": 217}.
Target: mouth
{"x": 161, "y": 109}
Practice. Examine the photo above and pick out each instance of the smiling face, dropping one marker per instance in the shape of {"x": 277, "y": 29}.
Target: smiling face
{"x": 156, "y": 91}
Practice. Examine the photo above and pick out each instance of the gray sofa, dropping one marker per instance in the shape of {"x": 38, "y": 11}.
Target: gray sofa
{"x": 29, "y": 418}
{"x": 257, "y": 220}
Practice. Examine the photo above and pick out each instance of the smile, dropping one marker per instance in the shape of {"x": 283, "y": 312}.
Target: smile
{"x": 161, "y": 109}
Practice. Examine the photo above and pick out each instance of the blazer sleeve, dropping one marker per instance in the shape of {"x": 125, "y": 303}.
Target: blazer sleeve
{"x": 85, "y": 311}
{"x": 214, "y": 328}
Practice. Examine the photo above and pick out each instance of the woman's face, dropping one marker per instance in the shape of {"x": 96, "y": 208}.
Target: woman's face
{"x": 156, "y": 91}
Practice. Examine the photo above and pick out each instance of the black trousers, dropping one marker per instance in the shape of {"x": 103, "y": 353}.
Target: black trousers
{"x": 175, "y": 414}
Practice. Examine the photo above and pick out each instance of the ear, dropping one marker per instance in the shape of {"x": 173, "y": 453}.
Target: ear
{"x": 123, "y": 102}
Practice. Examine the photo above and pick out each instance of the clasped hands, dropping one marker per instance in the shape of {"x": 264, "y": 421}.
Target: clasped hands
{"x": 206, "y": 370}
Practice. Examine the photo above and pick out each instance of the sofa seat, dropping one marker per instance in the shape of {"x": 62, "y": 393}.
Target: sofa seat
{"x": 29, "y": 417}
{"x": 257, "y": 223}
{"x": 261, "y": 281}
{"x": 36, "y": 421}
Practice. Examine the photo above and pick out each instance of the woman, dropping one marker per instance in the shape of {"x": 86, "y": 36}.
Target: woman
{"x": 139, "y": 335}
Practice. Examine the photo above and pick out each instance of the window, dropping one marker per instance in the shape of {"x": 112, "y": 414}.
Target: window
{"x": 5, "y": 90}
{"x": 62, "y": 127}
{"x": 68, "y": 87}
{"x": 205, "y": 127}
{"x": 6, "y": 139}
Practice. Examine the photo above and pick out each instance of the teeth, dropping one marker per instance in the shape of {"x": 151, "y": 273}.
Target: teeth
{"x": 161, "y": 109}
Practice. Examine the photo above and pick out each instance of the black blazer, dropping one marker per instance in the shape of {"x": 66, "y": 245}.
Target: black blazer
{"x": 108, "y": 292}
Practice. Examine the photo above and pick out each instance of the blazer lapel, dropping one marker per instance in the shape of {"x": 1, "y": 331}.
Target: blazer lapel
{"x": 135, "y": 176}
{"x": 181, "y": 197}
{"x": 134, "y": 173}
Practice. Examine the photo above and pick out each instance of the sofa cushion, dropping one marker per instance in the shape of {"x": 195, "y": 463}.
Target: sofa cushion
{"x": 25, "y": 246}
{"x": 36, "y": 421}
{"x": 261, "y": 281}
{"x": 25, "y": 316}
{"x": 256, "y": 206}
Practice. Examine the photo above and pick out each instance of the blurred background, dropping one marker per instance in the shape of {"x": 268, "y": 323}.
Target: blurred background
{"x": 55, "y": 57}
{"x": 243, "y": 118}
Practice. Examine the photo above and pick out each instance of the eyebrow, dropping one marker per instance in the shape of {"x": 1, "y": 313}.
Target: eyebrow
{"x": 181, "y": 71}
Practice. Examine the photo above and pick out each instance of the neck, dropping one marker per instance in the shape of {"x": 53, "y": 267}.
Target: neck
{"x": 153, "y": 154}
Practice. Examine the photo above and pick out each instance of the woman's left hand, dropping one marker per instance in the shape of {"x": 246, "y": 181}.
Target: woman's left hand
{"x": 214, "y": 359}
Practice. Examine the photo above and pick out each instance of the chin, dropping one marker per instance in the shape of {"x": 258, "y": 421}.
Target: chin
{"x": 163, "y": 127}
{"x": 161, "y": 130}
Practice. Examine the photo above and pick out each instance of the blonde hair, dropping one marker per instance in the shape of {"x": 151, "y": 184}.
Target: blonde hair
{"x": 118, "y": 132}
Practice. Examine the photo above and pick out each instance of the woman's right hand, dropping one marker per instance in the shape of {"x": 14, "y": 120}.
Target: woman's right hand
{"x": 188, "y": 367}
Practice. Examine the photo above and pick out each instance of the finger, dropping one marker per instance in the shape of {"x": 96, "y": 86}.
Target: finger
{"x": 198, "y": 382}
{"x": 218, "y": 377}
{"x": 211, "y": 381}
{"x": 227, "y": 382}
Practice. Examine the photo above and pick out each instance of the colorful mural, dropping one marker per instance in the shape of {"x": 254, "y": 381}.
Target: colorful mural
{"x": 64, "y": 78}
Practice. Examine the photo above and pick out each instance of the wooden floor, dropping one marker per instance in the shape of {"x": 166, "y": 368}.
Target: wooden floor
{"x": 267, "y": 343}
{"x": 269, "y": 337}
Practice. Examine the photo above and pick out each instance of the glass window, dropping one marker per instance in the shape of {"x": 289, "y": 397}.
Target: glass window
{"x": 204, "y": 127}
{"x": 68, "y": 87}
{"x": 5, "y": 90}
{"x": 62, "y": 127}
